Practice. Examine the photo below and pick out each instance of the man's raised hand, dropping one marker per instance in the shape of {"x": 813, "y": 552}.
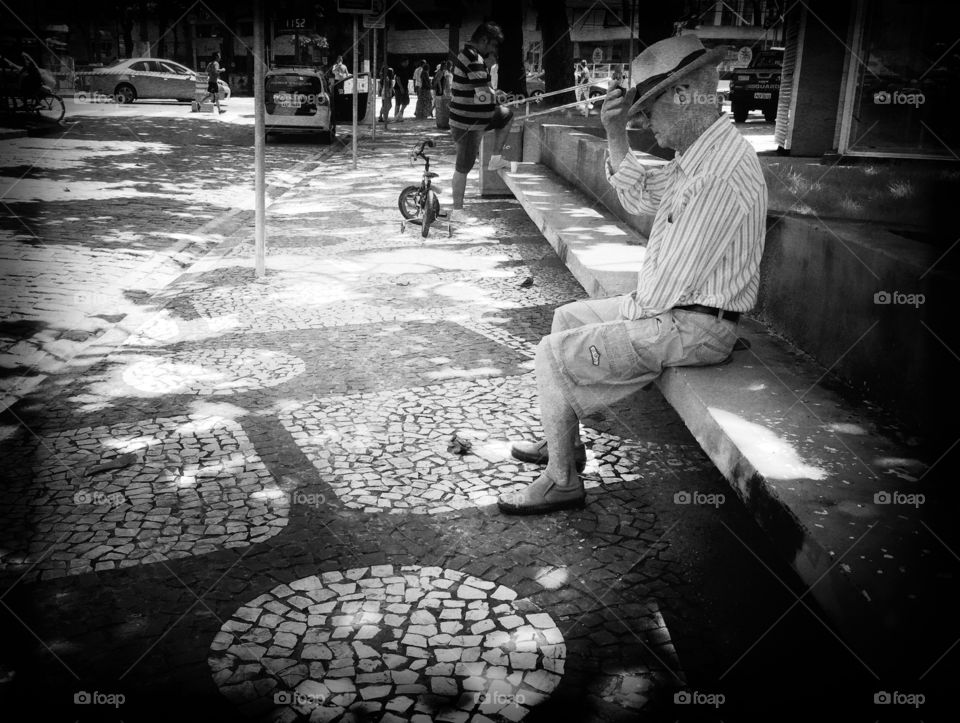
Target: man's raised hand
{"x": 616, "y": 103}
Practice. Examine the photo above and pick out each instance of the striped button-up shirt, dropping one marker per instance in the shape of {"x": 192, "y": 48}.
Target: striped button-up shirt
{"x": 707, "y": 237}
{"x": 471, "y": 106}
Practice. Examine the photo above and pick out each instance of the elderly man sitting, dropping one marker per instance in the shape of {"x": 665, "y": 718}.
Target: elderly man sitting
{"x": 700, "y": 272}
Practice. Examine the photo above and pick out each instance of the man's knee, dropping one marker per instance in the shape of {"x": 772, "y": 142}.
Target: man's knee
{"x": 541, "y": 360}
{"x": 563, "y": 319}
{"x": 465, "y": 160}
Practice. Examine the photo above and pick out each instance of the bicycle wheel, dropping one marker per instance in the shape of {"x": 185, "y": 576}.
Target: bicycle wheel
{"x": 409, "y": 202}
{"x": 50, "y": 107}
{"x": 429, "y": 213}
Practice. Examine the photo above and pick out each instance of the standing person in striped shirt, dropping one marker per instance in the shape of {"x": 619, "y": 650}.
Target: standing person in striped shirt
{"x": 700, "y": 271}
{"x": 473, "y": 110}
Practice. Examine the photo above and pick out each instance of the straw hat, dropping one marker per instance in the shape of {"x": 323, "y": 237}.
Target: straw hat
{"x": 665, "y": 61}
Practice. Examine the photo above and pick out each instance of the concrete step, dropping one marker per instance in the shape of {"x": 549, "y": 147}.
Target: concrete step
{"x": 843, "y": 502}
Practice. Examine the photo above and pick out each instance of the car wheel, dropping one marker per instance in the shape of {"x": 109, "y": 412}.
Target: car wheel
{"x": 125, "y": 93}
{"x": 770, "y": 115}
{"x": 739, "y": 113}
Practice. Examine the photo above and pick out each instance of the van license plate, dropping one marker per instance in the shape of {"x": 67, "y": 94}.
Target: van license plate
{"x": 762, "y": 96}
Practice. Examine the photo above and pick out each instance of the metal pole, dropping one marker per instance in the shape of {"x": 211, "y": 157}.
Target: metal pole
{"x": 259, "y": 131}
{"x": 374, "y": 95}
{"x": 356, "y": 83}
{"x": 633, "y": 19}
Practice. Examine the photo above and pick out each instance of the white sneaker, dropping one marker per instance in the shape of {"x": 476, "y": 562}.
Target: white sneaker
{"x": 497, "y": 163}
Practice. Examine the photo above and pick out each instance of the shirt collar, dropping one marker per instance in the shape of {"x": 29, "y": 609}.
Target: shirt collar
{"x": 717, "y": 132}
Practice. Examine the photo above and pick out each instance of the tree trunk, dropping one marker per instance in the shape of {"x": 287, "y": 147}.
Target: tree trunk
{"x": 226, "y": 46}
{"x": 557, "y": 48}
{"x": 144, "y": 33}
{"x": 453, "y": 35}
{"x": 126, "y": 22}
{"x": 511, "y": 76}
{"x": 162, "y": 24}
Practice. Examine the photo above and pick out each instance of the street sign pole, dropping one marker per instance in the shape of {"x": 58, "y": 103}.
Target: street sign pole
{"x": 259, "y": 138}
{"x": 356, "y": 84}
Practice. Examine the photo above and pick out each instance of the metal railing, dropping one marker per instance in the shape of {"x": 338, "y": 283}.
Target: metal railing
{"x": 537, "y": 99}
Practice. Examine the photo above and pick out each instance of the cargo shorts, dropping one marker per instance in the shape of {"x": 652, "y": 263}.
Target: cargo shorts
{"x": 598, "y": 359}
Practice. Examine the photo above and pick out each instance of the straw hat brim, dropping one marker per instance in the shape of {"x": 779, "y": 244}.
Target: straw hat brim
{"x": 711, "y": 57}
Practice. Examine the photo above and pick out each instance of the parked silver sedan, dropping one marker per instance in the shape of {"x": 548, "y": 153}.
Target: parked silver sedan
{"x": 136, "y": 78}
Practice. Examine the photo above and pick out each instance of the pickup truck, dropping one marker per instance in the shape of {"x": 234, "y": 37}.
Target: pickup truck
{"x": 757, "y": 86}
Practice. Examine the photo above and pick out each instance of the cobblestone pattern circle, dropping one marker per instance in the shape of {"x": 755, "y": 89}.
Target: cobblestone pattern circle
{"x": 374, "y": 643}
{"x": 132, "y": 494}
{"x": 213, "y": 371}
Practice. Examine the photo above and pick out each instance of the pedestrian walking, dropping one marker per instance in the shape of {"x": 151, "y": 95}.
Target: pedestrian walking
{"x": 401, "y": 89}
{"x": 701, "y": 270}
{"x": 213, "y": 87}
{"x": 582, "y": 79}
{"x": 422, "y": 84}
{"x": 443, "y": 87}
{"x": 387, "y": 80}
{"x": 473, "y": 110}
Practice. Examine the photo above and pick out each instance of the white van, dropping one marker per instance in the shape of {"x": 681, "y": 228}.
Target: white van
{"x": 297, "y": 100}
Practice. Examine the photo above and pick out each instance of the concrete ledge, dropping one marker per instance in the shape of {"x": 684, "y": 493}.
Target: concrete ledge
{"x": 809, "y": 464}
{"x": 596, "y": 247}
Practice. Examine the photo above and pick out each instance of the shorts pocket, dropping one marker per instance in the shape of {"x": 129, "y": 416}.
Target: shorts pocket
{"x": 612, "y": 353}
{"x": 709, "y": 341}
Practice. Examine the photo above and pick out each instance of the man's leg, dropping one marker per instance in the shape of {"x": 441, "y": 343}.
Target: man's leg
{"x": 560, "y": 424}
{"x": 501, "y": 130}
{"x": 459, "y": 186}
{"x": 567, "y": 317}
{"x": 468, "y": 142}
{"x": 559, "y": 486}
{"x": 500, "y": 136}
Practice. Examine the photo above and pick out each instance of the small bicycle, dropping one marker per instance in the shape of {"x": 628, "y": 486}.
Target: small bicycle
{"x": 419, "y": 204}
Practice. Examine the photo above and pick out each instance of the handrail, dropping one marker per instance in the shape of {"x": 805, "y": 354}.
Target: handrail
{"x": 575, "y": 104}
{"x": 528, "y": 100}
{"x": 538, "y": 98}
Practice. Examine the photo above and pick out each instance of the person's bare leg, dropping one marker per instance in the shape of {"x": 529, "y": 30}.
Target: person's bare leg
{"x": 500, "y": 137}
{"x": 459, "y": 186}
{"x": 560, "y": 424}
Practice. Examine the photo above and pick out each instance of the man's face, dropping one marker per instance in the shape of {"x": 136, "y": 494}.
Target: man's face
{"x": 486, "y": 47}
{"x": 665, "y": 115}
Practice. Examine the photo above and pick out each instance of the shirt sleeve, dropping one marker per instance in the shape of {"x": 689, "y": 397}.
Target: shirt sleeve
{"x": 699, "y": 230}
{"x": 638, "y": 188}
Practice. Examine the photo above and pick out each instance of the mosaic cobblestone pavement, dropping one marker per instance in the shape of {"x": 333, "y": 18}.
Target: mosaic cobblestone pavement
{"x": 100, "y": 498}
{"x": 410, "y": 644}
{"x": 251, "y": 509}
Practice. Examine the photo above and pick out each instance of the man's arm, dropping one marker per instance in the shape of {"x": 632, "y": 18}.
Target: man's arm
{"x": 638, "y": 188}
{"x": 613, "y": 115}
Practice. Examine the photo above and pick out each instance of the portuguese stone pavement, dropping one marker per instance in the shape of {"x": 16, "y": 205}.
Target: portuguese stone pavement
{"x": 276, "y": 500}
